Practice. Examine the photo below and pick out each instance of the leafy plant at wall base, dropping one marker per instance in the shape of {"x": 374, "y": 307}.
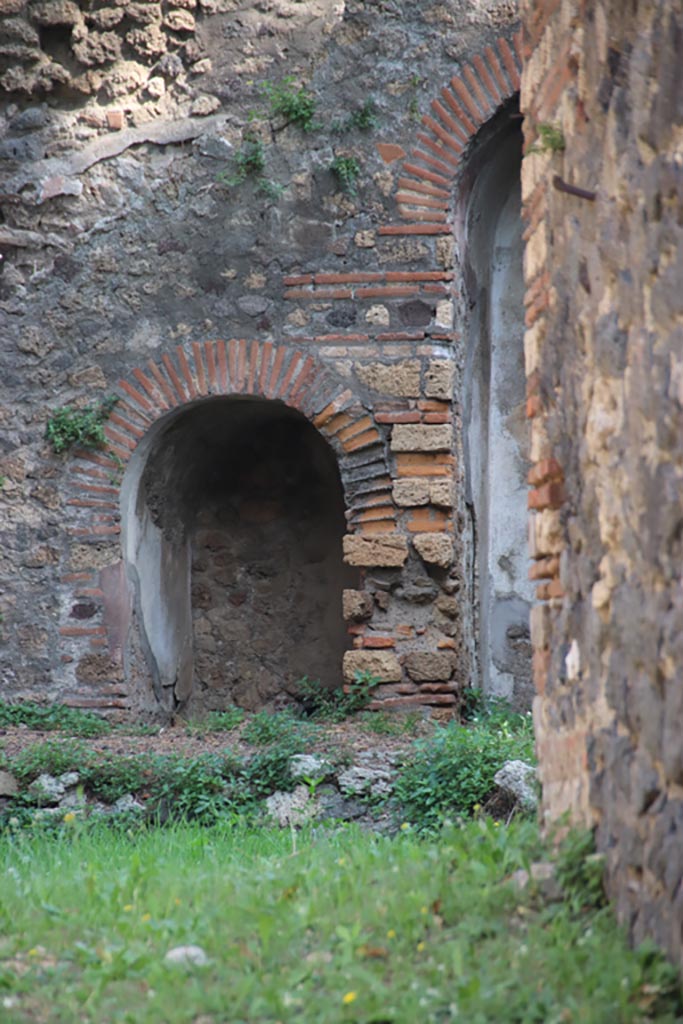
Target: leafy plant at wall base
{"x": 224, "y": 721}
{"x": 265, "y": 727}
{"x": 346, "y": 170}
{"x": 295, "y": 104}
{"x": 388, "y": 723}
{"x": 451, "y": 772}
{"x": 52, "y": 758}
{"x": 69, "y": 426}
{"x": 334, "y": 705}
{"x": 52, "y": 717}
{"x": 580, "y": 871}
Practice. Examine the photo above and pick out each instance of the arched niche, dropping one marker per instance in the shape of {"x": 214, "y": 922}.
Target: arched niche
{"x": 495, "y": 432}
{"x": 233, "y": 517}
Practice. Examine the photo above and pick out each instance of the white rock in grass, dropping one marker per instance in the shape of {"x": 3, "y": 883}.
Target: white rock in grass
{"x": 69, "y": 779}
{"x": 187, "y": 956}
{"x": 309, "y": 766}
{"x": 47, "y": 789}
{"x": 8, "y": 784}
{"x": 517, "y": 778}
{"x": 357, "y": 780}
{"x": 127, "y": 804}
{"x": 294, "y": 808}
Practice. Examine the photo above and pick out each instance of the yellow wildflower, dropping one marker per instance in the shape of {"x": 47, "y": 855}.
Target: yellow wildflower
{"x": 349, "y": 998}
{"x": 146, "y": 918}
{"x": 391, "y": 934}
{"x": 69, "y": 817}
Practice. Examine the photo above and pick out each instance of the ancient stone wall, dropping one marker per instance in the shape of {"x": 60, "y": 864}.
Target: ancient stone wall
{"x": 603, "y": 194}
{"x": 176, "y": 236}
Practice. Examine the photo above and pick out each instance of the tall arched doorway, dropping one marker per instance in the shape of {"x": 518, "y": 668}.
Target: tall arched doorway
{"x": 233, "y": 522}
{"x": 495, "y": 427}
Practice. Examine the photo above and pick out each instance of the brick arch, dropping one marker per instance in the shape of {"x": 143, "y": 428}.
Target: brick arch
{"x": 179, "y": 378}
{"x": 262, "y": 370}
{"x": 431, "y": 170}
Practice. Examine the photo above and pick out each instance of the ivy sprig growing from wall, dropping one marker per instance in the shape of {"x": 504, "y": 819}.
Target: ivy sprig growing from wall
{"x": 346, "y": 170}
{"x": 550, "y": 139}
{"x": 69, "y": 426}
{"x": 250, "y": 162}
{"x": 295, "y": 104}
{"x": 363, "y": 118}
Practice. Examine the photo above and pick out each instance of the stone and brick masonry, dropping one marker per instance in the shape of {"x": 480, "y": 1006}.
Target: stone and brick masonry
{"x": 604, "y": 362}
{"x": 135, "y": 264}
{"x": 131, "y": 265}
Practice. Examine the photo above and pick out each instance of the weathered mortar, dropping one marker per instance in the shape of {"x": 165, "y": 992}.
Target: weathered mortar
{"x": 604, "y": 361}
{"x": 128, "y": 253}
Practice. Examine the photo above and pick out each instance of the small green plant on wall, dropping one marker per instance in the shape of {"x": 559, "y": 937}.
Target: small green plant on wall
{"x": 550, "y": 139}
{"x": 364, "y": 119}
{"x": 346, "y": 170}
{"x": 294, "y": 103}
{"x": 250, "y": 162}
{"x": 69, "y": 426}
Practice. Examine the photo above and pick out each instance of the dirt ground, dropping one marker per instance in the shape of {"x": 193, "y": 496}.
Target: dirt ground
{"x": 346, "y": 738}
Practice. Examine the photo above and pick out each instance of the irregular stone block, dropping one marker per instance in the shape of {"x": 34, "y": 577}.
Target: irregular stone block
{"x": 382, "y": 664}
{"x": 411, "y": 491}
{"x": 8, "y": 784}
{"x": 180, "y": 21}
{"x": 309, "y": 766}
{"x": 373, "y": 781}
{"x": 516, "y": 779}
{"x": 55, "y": 12}
{"x": 97, "y": 48}
{"x": 448, "y": 605}
{"x": 434, "y": 548}
{"x": 47, "y": 790}
{"x": 401, "y": 379}
{"x": 357, "y": 605}
{"x": 420, "y": 437}
{"x": 444, "y": 315}
{"x": 149, "y": 41}
{"x": 378, "y": 315}
{"x": 546, "y": 534}
{"x": 147, "y": 14}
{"x": 441, "y": 493}
{"x": 430, "y": 666}
{"x": 16, "y": 30}
{"x": 415, "y": 313}
{"x": 364, "y": 239}
{"x": 92, "y": 556}
{"x": 439, "y": 379}
{"x": 294, "y": 808}
{"x": 385, "y": 550}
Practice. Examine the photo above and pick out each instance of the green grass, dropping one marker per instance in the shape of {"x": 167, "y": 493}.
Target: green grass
{"x": 324, "y": 927}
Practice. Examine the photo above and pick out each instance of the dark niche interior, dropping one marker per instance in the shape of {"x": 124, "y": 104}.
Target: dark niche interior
{"x": 250, "y": 494}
